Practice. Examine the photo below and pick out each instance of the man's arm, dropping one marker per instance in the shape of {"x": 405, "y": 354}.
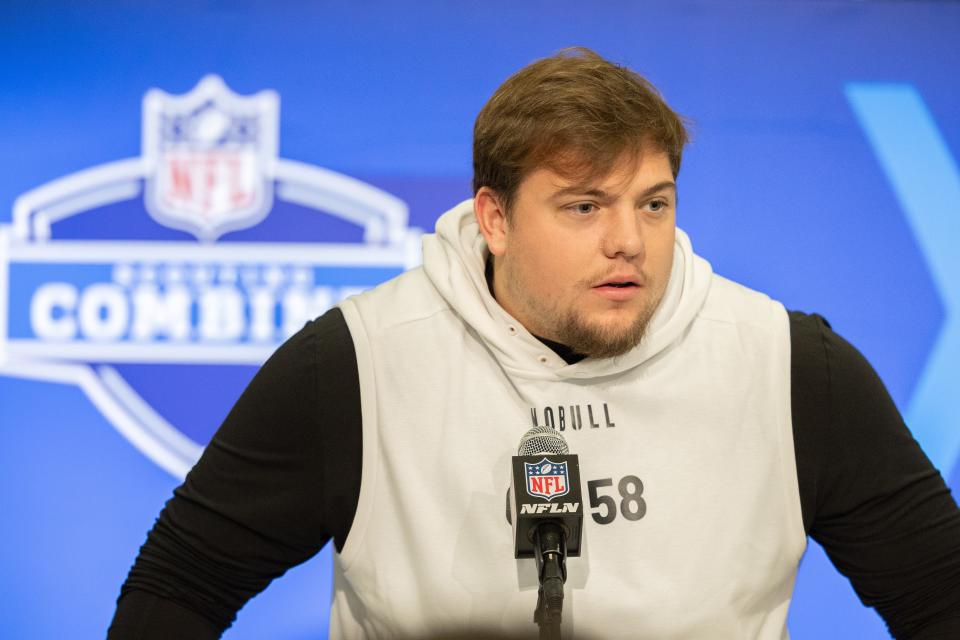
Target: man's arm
{"x": 280, "y": 478}
{"x": 870, "y": 496}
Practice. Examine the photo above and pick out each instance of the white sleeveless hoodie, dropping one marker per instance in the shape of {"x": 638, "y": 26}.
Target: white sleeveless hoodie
{"x": 693, "y": 526}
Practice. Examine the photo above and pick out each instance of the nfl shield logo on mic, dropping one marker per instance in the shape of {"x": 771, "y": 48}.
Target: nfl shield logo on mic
{"x": 546, "y": 479}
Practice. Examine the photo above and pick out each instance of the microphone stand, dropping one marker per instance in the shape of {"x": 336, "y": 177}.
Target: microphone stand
{"x": 550, "y": 551}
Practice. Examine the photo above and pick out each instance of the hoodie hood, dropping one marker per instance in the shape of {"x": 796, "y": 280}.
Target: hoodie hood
{"x": 454, "y": 259}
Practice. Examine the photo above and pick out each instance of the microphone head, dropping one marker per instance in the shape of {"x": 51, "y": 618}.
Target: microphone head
{"x": 542, "y": 439}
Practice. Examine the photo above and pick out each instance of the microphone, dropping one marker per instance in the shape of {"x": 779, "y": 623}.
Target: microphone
{"x": 547, "y": 507}
{"x": 544, "y": 487}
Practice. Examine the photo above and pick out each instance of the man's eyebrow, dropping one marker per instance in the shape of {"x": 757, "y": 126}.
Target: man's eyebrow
{"x": 600, "y": 194}
{"x": 660, "y": 186}
{"x": 581, "y": 190}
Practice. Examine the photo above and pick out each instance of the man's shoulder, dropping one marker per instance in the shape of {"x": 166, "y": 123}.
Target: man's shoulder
{"x": 406, "y": 298}
{"x": 735, "y": 303}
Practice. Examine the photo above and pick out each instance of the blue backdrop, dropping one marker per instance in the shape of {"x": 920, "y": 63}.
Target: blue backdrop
{"x": 822, "y": 171}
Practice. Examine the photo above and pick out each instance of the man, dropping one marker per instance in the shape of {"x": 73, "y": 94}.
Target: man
{"x": 715, "y": 430}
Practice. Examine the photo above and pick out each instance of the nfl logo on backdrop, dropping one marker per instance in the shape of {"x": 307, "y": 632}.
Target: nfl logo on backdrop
{"x": 210, "y": 157}
{"x": 546, "y": 479}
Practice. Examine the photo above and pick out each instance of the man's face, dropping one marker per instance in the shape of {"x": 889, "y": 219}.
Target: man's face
{"x": 587, "y": 264}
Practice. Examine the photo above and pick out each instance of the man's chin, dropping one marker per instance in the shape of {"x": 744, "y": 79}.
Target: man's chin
{"x": 606, "y": 340}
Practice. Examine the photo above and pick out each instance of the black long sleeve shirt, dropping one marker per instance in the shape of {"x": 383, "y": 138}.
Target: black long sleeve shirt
{"x": 281, "y": 477}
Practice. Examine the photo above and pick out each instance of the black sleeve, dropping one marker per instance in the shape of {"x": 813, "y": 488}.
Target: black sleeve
{"x": 280, "y": 478}
{"x": 869, "y": 495}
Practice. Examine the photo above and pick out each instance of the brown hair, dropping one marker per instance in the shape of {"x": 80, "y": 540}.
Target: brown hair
{"x": 575, "y": 113}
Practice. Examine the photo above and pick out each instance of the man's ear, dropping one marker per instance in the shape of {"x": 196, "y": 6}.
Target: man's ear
{"x": 492, "y": 218}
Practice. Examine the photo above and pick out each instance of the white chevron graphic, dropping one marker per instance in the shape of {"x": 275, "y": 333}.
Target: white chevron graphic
{"x": 926, "y": 181}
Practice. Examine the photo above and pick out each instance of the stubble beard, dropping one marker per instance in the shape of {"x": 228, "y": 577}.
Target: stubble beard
{"x": 569, "y": 326}
{"x": 603, "y": 341}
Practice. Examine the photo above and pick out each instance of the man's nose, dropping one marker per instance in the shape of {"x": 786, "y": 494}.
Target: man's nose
{"x": 623, "y": 233}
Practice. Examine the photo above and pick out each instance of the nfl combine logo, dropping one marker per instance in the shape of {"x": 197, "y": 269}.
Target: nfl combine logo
{"x": 546, "y": 479}
{"x": 143, "y": 279}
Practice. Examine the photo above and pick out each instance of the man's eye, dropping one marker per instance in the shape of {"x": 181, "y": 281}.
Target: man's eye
{"x": 583, "y": 208}
{"x": 657, "y": 205}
